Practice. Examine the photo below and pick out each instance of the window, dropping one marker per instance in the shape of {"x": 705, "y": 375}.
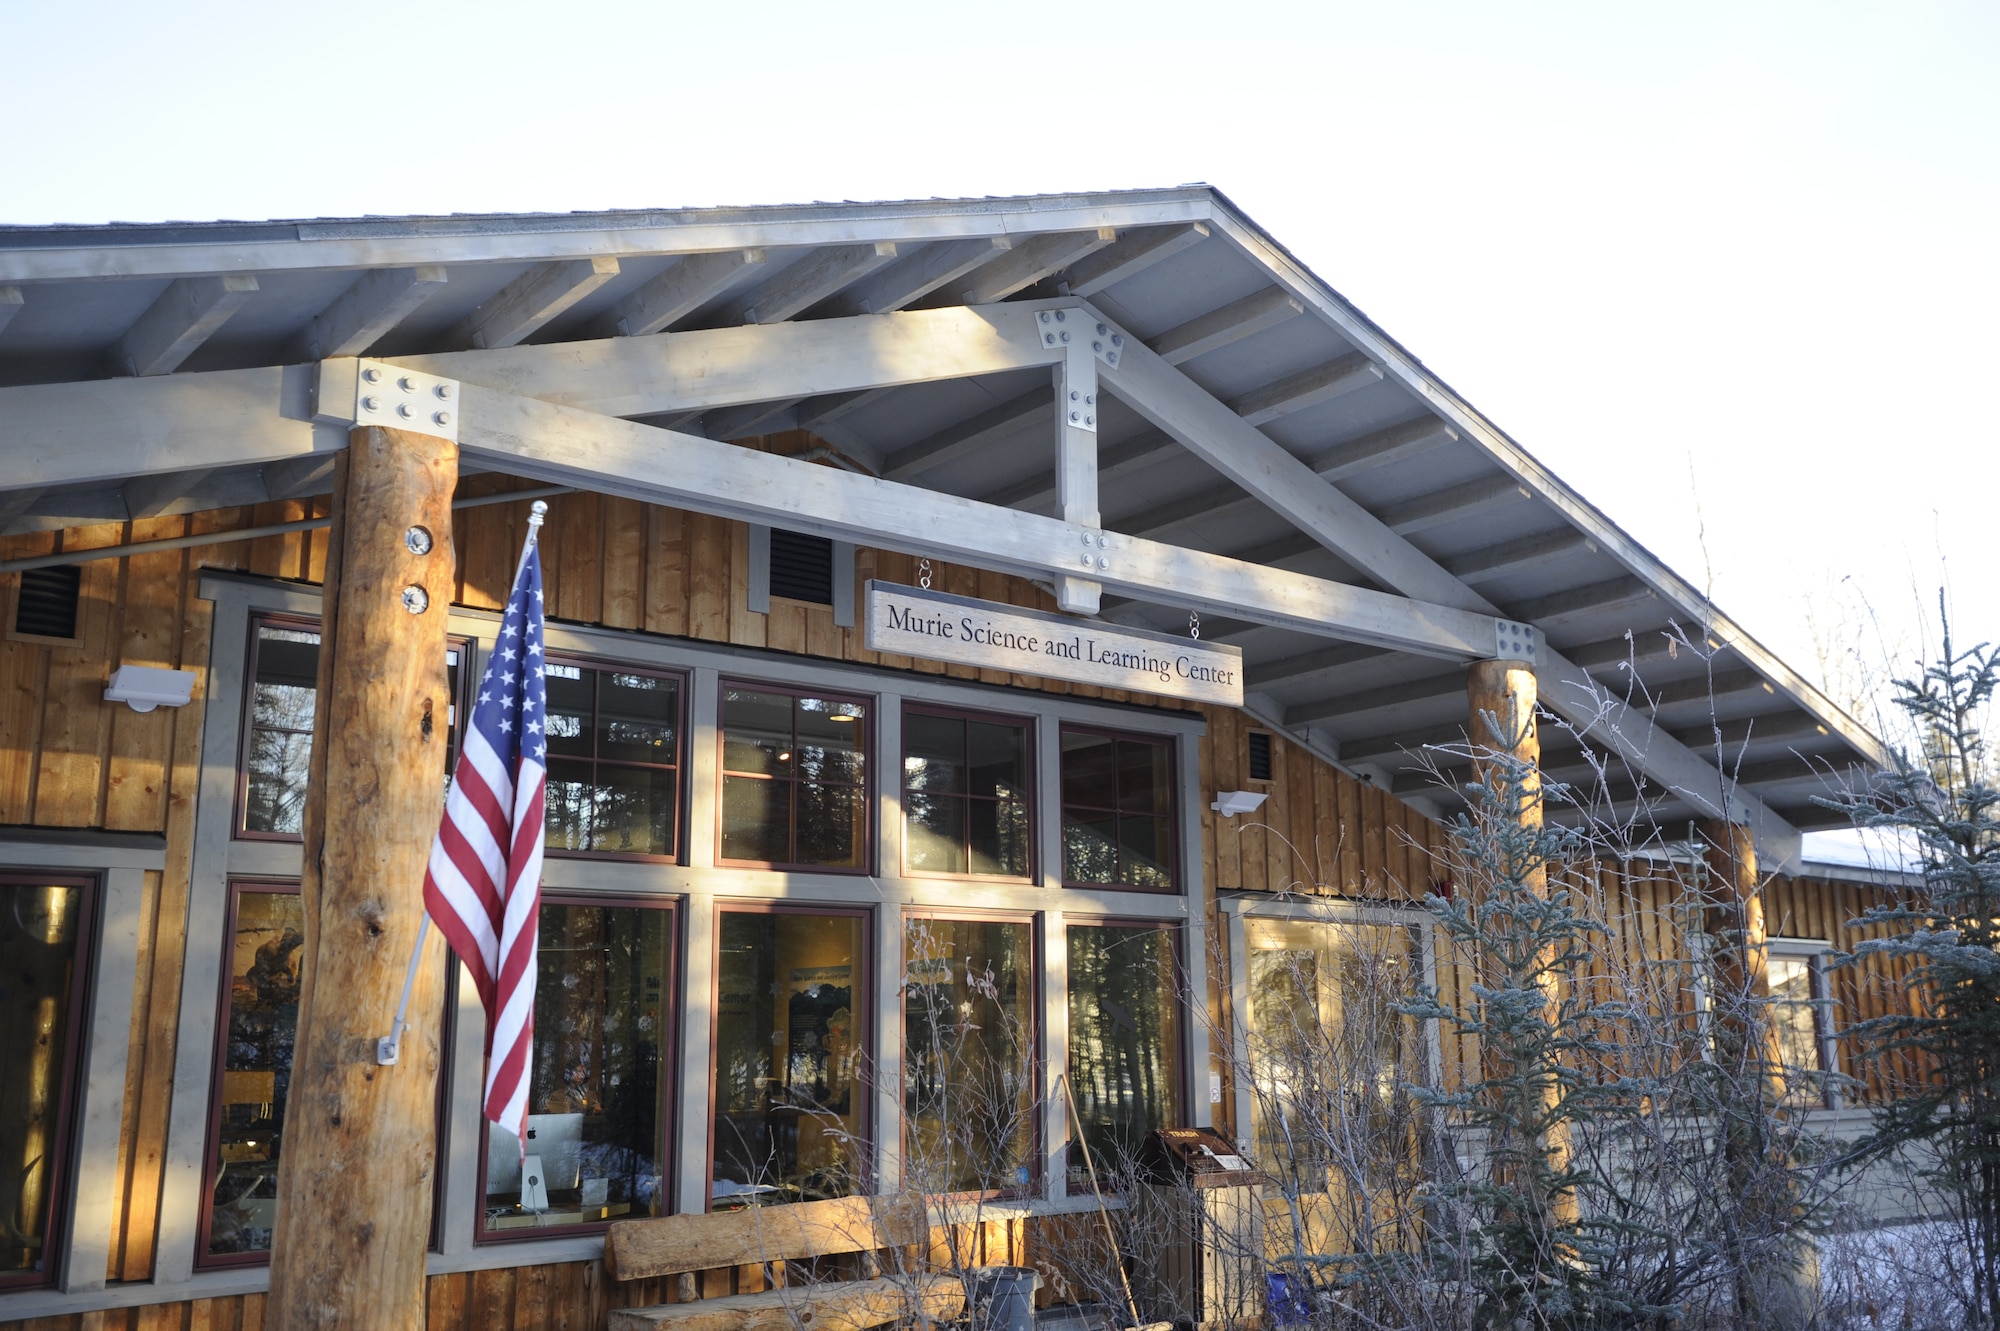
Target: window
{"x": 791, "y": 1005}
{"x": 969, "y": 1092}
{"x": 1124, "y": 1039}
{"x": 1118, "y": 810}
{"x": 44, "y": 927}
{"x": 1330, "y": 1053}
{"x": 793, "y": 771}
{"x": 966, "y": 795}
{"x": 277, "y": 747}
{"x": 614, "y": 741}
{"x": 598, "y": 1102}
{"x": 1801, "y": 1015}
{"x": 260, "y": 1020}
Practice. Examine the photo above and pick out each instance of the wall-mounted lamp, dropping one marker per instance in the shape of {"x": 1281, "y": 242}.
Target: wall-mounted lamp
{"x": 1229, "y": 803}
{"x": 142, "y": 688}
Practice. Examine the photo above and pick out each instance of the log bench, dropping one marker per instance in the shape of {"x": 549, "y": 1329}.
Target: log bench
{"x": 879, "y": 1229}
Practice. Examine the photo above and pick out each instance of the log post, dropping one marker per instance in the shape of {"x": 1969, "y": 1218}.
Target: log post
{"x": 1778, "y": 1280}
{"x": 355, "y": 1175}
{"x": 1502, "y": 727}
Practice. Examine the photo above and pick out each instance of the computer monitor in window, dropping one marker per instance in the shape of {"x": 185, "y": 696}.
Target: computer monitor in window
{"x": 556, "y": 1138}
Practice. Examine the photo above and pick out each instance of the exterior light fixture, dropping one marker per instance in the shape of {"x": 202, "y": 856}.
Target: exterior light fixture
{"x": 142, "y": 688}
{"x": 1229, "y": 803}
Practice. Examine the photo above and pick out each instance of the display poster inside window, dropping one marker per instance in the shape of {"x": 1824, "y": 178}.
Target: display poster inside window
{"x": 913, "y": 621}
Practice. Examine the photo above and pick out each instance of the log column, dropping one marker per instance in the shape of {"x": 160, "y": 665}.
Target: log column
{"x": 1503, "y": 732}
{"x": 1778, "y": 1282}
{"x": 355, "y": 1176}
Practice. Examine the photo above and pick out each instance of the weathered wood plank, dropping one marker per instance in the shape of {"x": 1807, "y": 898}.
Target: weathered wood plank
{"x": 624, "y": 563}
{"x": 671, "y": 1244}
{"x": 69, "y": 788}
{"x": 849, "y": 1306}
{"x": 135, "y": 783}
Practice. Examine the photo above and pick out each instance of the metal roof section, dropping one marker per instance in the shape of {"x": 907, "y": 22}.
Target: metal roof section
{"x": 1473, "y": 520}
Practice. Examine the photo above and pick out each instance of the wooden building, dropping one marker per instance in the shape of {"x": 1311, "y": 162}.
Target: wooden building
{"x": 776, "y": 852}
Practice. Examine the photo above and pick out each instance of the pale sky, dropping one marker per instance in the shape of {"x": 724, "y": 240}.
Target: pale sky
{"x": 1737, "y": 253}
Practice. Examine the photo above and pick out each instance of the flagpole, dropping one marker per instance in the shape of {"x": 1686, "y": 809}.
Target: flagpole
{"x": 389, "y": 1047}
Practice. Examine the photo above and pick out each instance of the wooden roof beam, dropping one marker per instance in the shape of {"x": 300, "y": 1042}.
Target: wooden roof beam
{"x": 12, "y": 302}
{"x": 521, "y": 308}
{"x": 1232, "y": 323}
{"x": 1308, "y": 388}
{"x": 1132, "y": 255}
{"x": 369, "y": 310}
{"x": 1387, "y": 697}
{"x": 969, "y": 436}
{"x": 806, "y": 283}
{"x": 1519, "y": 555}
{"x": 916, "y": 275}
{"x": 673, "y": 295}
{"x": 186, "y": 315}
{"x": 1444, "y": 507}
{"x": 14, "y": 505}
{"x": 1023, "y": 266}
{"x": 1304, "y": 668}
{"x": 1581, "y": 602}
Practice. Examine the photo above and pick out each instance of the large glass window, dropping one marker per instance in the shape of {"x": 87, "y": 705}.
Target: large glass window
{"x": 791, "y": 998}
{"x": 44, "y": 923}
{"x": 1118, "y": 810}
{"x": 966, "y": 795}
{"x": 254, "y": 1071}
{"x": 614, "y": 760}
{"x": 1800, "y": 1015}
{"x": 1330, "y": 1051}
{"x": 969, "y": 1092}
{"x": 793, "y": 772}
{"x": 598, "y": 1102}
{"x": 1124, "y": 1039}
{"x": 277, "y": 749}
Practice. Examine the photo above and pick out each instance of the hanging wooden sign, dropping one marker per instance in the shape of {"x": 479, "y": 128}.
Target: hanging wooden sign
{"x": 913, "y": 621}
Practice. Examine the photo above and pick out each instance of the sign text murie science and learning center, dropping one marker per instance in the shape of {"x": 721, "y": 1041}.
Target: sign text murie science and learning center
{"x": 937, "y": 626}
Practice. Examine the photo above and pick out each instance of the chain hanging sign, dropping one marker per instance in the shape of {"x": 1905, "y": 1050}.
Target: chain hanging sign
{"x": 914, "y": 621}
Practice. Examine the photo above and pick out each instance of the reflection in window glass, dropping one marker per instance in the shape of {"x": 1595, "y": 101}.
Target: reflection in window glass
{"x": 792, "y": 772}
{"x": 1795, "y": 1011}
{"x": 965, "y": 795}
{"x": 614, "y": 760}
{"x": 596, "y": 1106}
{"x": 41, "y": 925}
{"x": 278, "y": 747}
{"x": 969, "y": 1055}
{"x": 282, "y": 695}
{"x": 1118, "y": 810}
{"x": 261, "y": 1022}
{"x": 1325, "y": 1030}
{"x": 789, "y": 1026}
{"x": 1124, "y": 1039}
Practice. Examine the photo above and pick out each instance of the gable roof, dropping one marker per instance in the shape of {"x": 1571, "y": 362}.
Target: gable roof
{"x": 1181, "y": 269}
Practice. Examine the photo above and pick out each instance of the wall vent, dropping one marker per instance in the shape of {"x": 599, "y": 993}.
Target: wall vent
{"x": 801, "y": 567}
{"x": 1260, "y": 755}
{"x": 46, "y": 606}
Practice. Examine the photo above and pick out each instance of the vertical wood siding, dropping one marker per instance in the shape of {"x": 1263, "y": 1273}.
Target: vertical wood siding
{"x": 70, "y": 760}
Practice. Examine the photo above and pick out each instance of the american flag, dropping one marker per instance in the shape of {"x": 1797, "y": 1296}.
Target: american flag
{"x": 485, "y": 878}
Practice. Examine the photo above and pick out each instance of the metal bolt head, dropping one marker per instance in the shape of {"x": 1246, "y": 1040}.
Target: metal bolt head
{"x": 1102, "y": 540}
{"x": 441, "y": 417}
{"x": 1097, "y": 346}
{"x": 443, "y": 391}
{"x": 1104, "y": 563}
{"x": 417, "y": 540}
{"x": 1065, "y": 337}
{"x": 408, "y": 383}
{"x": 1089, "y": 399}
{"x": 403, "y": 410}
{"x": 371, "y": 403}
{"x": 1090, "y": 420}
{"x": 372, "y": 374}
{"x": 1073, "y": 395}
{"x": 1086, "y": 561}
{"x": 415, "y": 599}
{"x": 1102, "y": 330}
{"x": 1045, "y": 316}
{"x": 1048, "y": 339}
{"x": 1060, "y": 316}
{"x": 1075, "y": 416}
{"x": 1117, "y": 340}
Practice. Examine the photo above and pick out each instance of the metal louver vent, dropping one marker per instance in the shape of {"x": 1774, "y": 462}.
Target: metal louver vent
{"x": 1260, "y": 756}
{"x": 46, "y": 607}
{"x": 801, "y": 567}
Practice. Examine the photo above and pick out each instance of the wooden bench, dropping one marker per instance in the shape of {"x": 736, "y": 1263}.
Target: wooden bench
{"x": 683, "y": 1245}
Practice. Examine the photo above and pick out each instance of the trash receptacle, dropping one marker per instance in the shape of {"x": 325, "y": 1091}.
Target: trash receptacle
{"x": 1003, "y": 1298}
